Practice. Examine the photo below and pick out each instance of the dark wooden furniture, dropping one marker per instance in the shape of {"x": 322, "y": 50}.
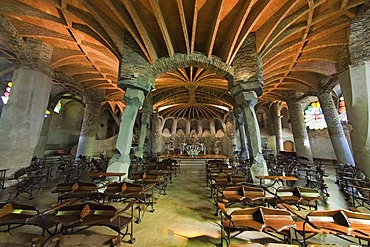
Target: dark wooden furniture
{"x": 341, "y": 223}
{"x": 105, "y": 175}
{"x": 14, "y": 215}
{"x": 144, "y": 195}
{"x": 270, "y": 221}
{"x": 3, "y": 177}
{"x": 244, "y": 195}
{"x": 297, "y": 196}
{"x": 274, "y": 180}
{"x": 80, "y": 190}
{"x": 79, "y": 217}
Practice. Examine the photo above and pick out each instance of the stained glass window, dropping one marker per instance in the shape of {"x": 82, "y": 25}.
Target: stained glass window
{"x": 342, "y": 111}
{"x": 6, "y": 94}
{"x": 314, "y": 117}
{"x": 58, "y": 107}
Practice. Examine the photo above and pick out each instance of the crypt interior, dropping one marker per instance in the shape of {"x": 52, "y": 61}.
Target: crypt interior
{"x": 179, "y": 98}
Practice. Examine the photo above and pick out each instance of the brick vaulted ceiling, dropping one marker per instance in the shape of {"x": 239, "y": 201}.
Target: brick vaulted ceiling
{"x": 298, "y": 40}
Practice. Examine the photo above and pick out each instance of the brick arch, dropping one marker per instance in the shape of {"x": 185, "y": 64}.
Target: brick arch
{"x": 199, "y": 60}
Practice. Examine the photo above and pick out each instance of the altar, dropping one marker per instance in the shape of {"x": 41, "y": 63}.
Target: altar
{"x": 192, "y": 149}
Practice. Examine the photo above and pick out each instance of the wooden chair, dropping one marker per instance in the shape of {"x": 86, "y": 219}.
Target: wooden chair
{"x": 79, "y": 217}
{"x": 270, "y": 221}
{"x": 144, "y": 195}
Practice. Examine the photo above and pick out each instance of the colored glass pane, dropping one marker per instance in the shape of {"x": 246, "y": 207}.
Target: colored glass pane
{"x": 58, "y": 107}
{"x": 342, "y": 111}
{"x": 314, "y": 117}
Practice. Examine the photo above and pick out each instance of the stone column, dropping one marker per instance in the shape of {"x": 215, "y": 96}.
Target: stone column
{"x": 300, "y": 135}
{"x": 23, "y": 116}
{"x": 278, "y": 129}
{"x": 145, "y": 115}
{"x": 89, "y": 128}
{"x": 335, "y": 129}
{"x": 243, "y": 137}
{"x": 134, "y": 99}
{"x": 40, "y": 147}
{"x": 355, "y": 83}
{"x": 247, "y": 101}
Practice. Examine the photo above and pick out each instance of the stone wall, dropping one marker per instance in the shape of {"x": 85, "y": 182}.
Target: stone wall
{"x": 359, "y": 45}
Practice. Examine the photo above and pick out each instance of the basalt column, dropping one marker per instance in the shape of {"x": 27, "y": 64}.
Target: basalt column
{"x": 145, "y": 115}
{"x": 134, "y": 78}
{"x": 89, "y": 128}
{"x": 301, "y": 141}
{"x": 134, "y": 99}
{"x": 335, "y": 129}
{"x": 23, "y": 116}
{"x": 243, "y": 137}
{"x": 246, "y": 87}
{"x": 247, "y": 101}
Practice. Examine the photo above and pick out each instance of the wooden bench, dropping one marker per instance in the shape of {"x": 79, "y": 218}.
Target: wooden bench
{"x": 244, "y": 195}
{"x": 297, "y": 196}
{"x": 14, "y": 215}
{"x": 273, "y": 222}
{"x": 26, "y": 181}
{"x": 81, "y": 190}
{"x": 3, "y": 177}
{"x": 144, "y": 195}
{"x": 342, "y": 223}
{"x": 79, "y": 217}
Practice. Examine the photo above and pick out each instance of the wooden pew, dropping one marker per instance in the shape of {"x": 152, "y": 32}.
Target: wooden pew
{"x": 273, "y": 222}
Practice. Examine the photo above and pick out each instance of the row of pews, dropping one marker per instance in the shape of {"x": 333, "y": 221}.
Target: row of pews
{"x": 276, "y": 207}
{"x": 84, "y": 201}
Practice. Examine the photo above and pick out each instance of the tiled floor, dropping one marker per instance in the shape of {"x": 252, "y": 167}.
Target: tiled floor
{"x": 183, "y": 217}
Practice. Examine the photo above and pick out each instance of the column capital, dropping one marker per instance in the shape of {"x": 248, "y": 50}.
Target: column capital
{"x": 134, "y": 96}
{"x": 239, "y": 87}
{"x": 246, "y": 98}
{"x": 144, "y": 86}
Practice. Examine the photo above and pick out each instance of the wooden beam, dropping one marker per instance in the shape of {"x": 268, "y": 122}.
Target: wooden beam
{"x": 266, "y": 30}
{"x": 255, "y": 15}
{"x": 180, "y": 6}
{"x": 194, "y": 26}
{"x": 162, "y": 25}
{"x": 114, "y": 7}
{"x": 104, "y": 22}
{"x": 141, "y": 28}
{"x": 214, "y": 28}
{"x": 235, "y": 30}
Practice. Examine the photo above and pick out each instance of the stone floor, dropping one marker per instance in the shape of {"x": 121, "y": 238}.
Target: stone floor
{"x": 183, "y": 217}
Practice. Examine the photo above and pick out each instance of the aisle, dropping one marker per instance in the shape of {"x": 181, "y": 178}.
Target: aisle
{"x": 183, "y": 217}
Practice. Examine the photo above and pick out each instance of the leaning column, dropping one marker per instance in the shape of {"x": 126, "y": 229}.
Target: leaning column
{"x": 335, "y": 129}
{"x": 89, "y": 128}
{"x": 301, "y": 140}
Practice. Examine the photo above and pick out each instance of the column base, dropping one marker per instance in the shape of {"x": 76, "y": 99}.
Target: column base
{"x": 139, "y": 153}
{"x": 120, "y": 164}
{"x": 258, "y": 168}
